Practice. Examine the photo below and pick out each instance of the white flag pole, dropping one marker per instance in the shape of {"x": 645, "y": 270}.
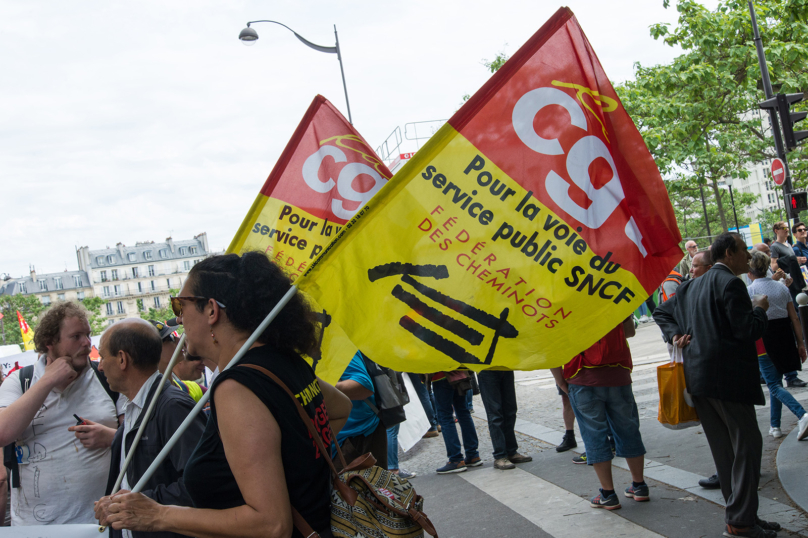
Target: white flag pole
{"x": 166, "y": 381}
{"x": 236, "y": 358}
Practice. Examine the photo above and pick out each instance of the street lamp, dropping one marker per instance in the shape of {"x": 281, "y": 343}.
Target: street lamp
{"x": 249, "y": 36}
{"x": 728, "y": 183}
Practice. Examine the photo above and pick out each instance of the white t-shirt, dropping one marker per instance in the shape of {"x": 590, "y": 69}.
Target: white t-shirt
{"x": 59, "y": 478}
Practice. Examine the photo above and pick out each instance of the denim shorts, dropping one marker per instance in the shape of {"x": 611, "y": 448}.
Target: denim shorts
{"x": 601, "y": 410}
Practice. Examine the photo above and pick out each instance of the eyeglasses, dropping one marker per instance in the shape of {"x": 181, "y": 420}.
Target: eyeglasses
{"x": 176, "y": 303}
{"x": 799, "y": 231}
{"x": 189, "y": 357}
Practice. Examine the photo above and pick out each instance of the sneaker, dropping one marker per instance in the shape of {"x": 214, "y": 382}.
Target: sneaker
{"x": 403, "y": 473}
{"x": 519, "y": 458}
{"x": 777, "y": 433}
{"x": 797, "y": 382}
{"x": 710, "y": 483}
{"x": 803, "y": 426}
{"x": 767, "y": 525}
{"x": 431, "y": 433}
{"x": 749, "y": 532}
{"x": 639, "y": 493}
{"x": 580, "y": 460}
{"x": 503, "y": 464}
{"x": 474, "y": 462}
{"x": 643, "y": 319}
{"x": 609, "y": 503}
{"x": 452, "y": 467}
{"x": 567, "y": 443}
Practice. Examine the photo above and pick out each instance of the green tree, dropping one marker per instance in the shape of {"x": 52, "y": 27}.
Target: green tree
{"x": 160, "y": 314}
{"x": 97, "y": 320}
{"x": 28, "y": 305}
{"x": 699, "y": 114}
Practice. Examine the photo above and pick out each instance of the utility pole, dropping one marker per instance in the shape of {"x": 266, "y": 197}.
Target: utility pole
{"x": 767, "y": 88}
{"x": 706, "y": 220}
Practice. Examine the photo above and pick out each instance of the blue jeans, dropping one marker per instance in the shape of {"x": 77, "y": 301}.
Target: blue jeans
{"x": 499, "y": 398}
{"x": 470, "y": 400}
{"x": 426, "y": 400}
{"x": 392, "y": 448}
{"x": 643, "y": 310}
{"x": 448, "y": 399}
{"x": 779, "y": 395}
{"x": 601, "y": 409}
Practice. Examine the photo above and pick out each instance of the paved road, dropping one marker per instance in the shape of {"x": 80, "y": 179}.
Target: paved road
{"x": 549, "y": 497}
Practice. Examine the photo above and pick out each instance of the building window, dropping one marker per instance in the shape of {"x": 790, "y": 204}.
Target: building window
{"x": 120, "y": 307}
{"x": 132, "y": 256}
{"x": 114, "y": 274}
{"x": 43, "y": 285}
{"x": 193, "y": 250}
{"x": 140, "y": 306}
{"x": 99, "y": 260}
{"x": 111, "y": 259}
{"x": 168, "y": 283}
{"x": 57, "y": 283}
{"x": 186, "y": 265}
{"x": 80, "y": 296}
{"x": 60, "y": 296}
{"x": 117, "y": 291}
{"x": 153, "y": 287}
{"x": 23, "y": 287}
{"x": 106, "y": 291}
{"x": 183, "y": 251}
{"x": 46, "y": 300}
{"x": 135, "y": 272}
{"x": 157, "y": 303}
{"x": 103, "y": 276}
{"x": 140, "y": 287}
{"x": 164, "y": 253}
{"x": 151, "y": 270}
{"x": 109, "y": 309}
{"x": 147, "y": 255}
{"x": 110, "y": 321}
{"x": 78, "y": 281}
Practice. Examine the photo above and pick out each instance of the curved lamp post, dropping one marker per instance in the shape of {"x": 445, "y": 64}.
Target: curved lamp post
{"x": 249, "y": 36}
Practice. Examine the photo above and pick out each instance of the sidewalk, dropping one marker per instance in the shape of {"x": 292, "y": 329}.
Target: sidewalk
{"x": 549, "y": 497}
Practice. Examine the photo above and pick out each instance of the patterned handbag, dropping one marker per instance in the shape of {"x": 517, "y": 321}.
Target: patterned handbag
{"x": 366, "y": 500}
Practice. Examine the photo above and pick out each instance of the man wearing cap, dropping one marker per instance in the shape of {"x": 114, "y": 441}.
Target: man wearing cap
{"x": 188, "y": 369}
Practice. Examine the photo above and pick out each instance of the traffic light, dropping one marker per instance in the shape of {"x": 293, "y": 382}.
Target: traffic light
{"x": 782, "y": 103}
{"x": 797, "y": 201}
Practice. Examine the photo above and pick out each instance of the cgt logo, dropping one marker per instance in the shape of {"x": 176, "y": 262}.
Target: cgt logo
{"x": 372, "y": 168}
{"x": 606, "y": 199}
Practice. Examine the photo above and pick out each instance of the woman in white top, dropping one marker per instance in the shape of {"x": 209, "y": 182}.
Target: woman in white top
{"x": 783, "y": 349}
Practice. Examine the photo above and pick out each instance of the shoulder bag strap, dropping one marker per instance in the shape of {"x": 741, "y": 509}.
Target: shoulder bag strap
{"x": 347, "y": 493}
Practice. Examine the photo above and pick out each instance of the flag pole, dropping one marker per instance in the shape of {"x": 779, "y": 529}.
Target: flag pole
{"x": 205, "y": 397}
{"x": 166, "y": 381}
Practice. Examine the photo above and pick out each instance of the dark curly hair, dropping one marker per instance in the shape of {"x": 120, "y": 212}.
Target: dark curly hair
{"x": 249, "y": 286}
{"x": 47, "y": 331}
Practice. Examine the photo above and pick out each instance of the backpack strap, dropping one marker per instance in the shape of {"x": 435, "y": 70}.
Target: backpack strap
{"x": 10, "y": 450}
{"x": 104, "y": 383}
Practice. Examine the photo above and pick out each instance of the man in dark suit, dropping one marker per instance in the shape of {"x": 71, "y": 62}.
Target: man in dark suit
{"x": 716, "y": 324}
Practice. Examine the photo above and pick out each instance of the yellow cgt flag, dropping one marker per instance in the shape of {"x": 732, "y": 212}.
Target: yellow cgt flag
{"x": 27, "y": 333}
{"x": 528, "y": 227}
{"x": 323, "y": 177}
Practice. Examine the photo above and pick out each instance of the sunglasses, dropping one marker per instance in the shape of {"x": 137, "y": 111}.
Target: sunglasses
{"x": 176, "y": 303}
{"x": 799, "y": 231}
{"x": 189, "y": 357}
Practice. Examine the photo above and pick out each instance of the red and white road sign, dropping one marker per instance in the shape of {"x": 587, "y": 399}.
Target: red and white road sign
{"x": 778, "y": 171}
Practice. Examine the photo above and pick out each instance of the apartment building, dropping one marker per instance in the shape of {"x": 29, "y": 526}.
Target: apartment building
{"x": 135, "y": 278}
{"x": 50, "y": 287}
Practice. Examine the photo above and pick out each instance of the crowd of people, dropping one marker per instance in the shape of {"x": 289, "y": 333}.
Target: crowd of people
{"x": 249, "y": 466}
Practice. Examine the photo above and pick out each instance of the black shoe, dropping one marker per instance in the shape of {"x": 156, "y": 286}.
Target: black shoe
{"x": 749, "y": 532}
{"x": 767, "y": 525}
{"x": 567, "y": 443}
{"x": 710, "y": 483}
{"x": 797, "y": 382}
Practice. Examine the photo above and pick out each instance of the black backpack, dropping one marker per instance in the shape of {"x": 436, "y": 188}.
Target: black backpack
{"x": 390, "y": 391}
{"x": 9, "y": 451}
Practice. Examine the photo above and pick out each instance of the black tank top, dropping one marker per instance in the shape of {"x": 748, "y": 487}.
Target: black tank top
{"x": 207, "y": 476}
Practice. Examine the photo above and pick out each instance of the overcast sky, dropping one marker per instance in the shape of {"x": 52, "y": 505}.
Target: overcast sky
{"x": 133, "y": 121}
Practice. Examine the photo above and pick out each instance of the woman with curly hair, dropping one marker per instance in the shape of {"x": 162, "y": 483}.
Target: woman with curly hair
{"x": 256, "y": 460}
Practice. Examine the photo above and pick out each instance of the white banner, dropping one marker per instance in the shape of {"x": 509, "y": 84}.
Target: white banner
{"x": 53, "y": 531}
{"x": 413, "y": 429}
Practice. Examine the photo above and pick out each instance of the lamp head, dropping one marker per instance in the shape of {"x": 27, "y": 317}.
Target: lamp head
{"x": 248, "y": 36}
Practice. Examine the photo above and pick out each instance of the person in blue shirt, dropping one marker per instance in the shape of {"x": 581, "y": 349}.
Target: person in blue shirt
{"x": 363, "y": 432}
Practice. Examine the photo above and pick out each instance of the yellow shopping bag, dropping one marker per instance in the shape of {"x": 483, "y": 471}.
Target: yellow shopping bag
{"x": 676, "y": 409}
